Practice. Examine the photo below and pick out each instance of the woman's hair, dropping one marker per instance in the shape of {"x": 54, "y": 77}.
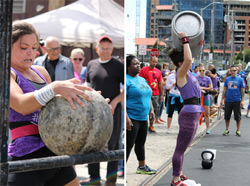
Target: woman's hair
{"x": 213, "y": 71}
{"x": 176, "y": 55}
{"x": 77, "y": 50}
{"x": 129, "y": 59}
{"x": 172, "y": 67}
{"x": 21, "y": 28}
{"x": 158, "y": 66}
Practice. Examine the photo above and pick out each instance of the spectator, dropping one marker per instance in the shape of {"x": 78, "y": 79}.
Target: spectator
{"x": 165, "y": 71}
{"x": 139, "y": 106}
{"x": 190, "y": 113}
{"x": 227, "y": 75}
{"x": 142, "y": 65}
{"x": 58, "y": 66}
{"x": 77, "y": 57}
{"x": 213, "y": 106}
{"x": 248, "y": 107}
{"x": 196, "y": 70}
{"x": 154, "y": 79}
{"x": 233, "y": 93}
{"x": 161, "y": 103}
{"x": 106, "y": 74}
{"x": 41, "y": 49}
{"x": 174, "y": 99}
{"x": 205, "y": 86}
{"x": 248, "y": 81}
{"x": 216, "y": 85}
{"x": 30, "y": 90}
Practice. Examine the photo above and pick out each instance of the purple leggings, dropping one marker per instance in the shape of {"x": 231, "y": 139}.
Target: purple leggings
{"x": 188, "y": 124}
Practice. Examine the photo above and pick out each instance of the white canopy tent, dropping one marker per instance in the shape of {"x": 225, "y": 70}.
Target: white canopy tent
{"x": 81, "y": 23}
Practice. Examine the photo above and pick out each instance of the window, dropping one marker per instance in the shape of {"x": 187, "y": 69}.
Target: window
{"x": 19, "y": 6}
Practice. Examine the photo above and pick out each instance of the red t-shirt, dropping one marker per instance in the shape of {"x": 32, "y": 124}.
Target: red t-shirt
{"x": 153, "y": 77}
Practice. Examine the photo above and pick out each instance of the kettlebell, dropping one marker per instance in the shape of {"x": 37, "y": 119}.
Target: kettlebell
{"x": 207, "y": 163}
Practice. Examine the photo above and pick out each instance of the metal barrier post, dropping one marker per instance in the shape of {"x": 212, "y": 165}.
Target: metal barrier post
{"x": 5, "y": 53}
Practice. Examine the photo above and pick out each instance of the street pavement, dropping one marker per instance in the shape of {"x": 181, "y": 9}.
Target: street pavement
{"x": 231, "y": 166}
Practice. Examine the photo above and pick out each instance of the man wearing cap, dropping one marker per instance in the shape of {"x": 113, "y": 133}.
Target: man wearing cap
{"x": 58, "y": 66}
{"x": 106, "y": 74}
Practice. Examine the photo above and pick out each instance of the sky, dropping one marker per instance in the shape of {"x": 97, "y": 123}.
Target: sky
{"x": 130, "y": 20}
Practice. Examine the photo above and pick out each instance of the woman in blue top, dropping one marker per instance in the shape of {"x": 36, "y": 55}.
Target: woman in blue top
{"x": 190, "y": 114}
{"x": 138, "y": 97}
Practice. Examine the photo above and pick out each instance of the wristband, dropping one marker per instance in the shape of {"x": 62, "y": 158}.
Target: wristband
{"x": 185, "y": 40}
{"x": 45, "y": 94}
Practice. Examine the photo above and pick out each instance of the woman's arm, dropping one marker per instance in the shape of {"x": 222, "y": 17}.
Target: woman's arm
{"x": 184, "y": 68}
{"x": 27, "y": 103}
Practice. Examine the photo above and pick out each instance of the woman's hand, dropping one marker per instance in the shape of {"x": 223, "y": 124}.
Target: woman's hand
{"x": 182, "y": 34}
{"x": 129, "y": 123}
{"x": 151, "y": 117}
{"x": 70, "y": 90}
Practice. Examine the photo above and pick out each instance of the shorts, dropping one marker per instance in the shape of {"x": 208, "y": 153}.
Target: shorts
{"x": 155, "y": 103}
{"x": 56, "y": 176}
{"x": 232, "y": 106}
{"x": 206, "y": 101}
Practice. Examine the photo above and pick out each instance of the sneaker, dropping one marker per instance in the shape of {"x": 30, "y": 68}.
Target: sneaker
{"x": 207, "y": 131}
{"x": 158, "y": 122}
{"x": 238, "y": 133}
{"x": 90, "y": 181}
{"x": 145, "y": 170}
{"x": 120, "y": 173}
{"x": 226, "y": 132}
{"x": 168, "y": 131}
{"x": 151, "y": 129}
{"x": 183, "y": 177}
{"x": 179, "y": 183}
{"x": 162, "y": 120}
{"x": 247, "y": 116}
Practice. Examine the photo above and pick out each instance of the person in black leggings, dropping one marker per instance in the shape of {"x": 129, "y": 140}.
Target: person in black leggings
{"x": 139, "y": 107}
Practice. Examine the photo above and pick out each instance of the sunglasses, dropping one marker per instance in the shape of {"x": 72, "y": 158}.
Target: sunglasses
{"x": 233, "y": 70}
{"x": 202, "y": 70}
{"x": 80, "y": 59}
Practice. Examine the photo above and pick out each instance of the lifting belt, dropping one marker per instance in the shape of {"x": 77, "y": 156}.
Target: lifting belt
{"x": 192, "y": 101}
{"x": 22, "y": 131}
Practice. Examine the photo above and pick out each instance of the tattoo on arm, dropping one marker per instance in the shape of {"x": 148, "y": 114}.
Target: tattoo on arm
{"x": 224, "y": 94}
{"x": 242, "y": 94}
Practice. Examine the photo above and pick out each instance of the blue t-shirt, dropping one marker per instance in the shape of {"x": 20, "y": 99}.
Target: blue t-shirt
{"x": 138, "y": 96}
{"x": 234, "y": 85}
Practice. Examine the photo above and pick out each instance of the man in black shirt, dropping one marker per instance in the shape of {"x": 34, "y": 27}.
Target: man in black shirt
{"x": 106, "y": 74}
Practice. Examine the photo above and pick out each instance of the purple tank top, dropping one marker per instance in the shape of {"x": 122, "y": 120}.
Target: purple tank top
{"x": 27, "y": 144}
{"x": 189, "y": 90}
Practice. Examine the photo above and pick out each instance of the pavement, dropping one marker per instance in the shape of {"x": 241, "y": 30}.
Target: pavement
{"x": 231, "y": 165}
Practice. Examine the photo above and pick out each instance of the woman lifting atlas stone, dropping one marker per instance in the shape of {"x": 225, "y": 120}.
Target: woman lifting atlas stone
{"x": 30, "y": 89}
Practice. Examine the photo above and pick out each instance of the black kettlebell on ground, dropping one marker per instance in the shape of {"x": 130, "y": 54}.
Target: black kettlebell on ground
{"x": 207, "y": 163}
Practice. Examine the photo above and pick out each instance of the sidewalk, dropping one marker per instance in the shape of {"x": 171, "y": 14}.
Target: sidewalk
{"x": 232, "y": 157}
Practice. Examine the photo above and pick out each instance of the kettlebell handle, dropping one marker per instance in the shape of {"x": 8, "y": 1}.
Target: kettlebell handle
{"x": 206, "y": 151}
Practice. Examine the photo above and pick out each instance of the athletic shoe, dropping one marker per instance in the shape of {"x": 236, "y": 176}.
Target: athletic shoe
{"x": 168, "y": 131}
{"x": 162, "y": 120}
{"x": 179, "y": 183}
{"x": 158, "y": 122}
{"x": 247, "y": 116}
{"x": 151, "y": 129}
{"x": 90, "y": 181}
{"x": 238, "y": 133}
{"x": 145, "y": 170}
{"x": 226, "y": 132}
{"x": 183, "y": 177}
{"x": 207, "y": 131}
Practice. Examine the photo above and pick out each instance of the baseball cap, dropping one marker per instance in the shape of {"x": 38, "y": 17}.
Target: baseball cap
{"x": 104, "y": 37}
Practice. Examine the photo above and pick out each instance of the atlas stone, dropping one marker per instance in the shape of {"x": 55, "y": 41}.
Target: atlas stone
{"x": 66, "y": 131}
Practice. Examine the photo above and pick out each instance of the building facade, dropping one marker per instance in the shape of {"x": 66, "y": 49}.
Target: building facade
{"x": 183, "y": 5}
